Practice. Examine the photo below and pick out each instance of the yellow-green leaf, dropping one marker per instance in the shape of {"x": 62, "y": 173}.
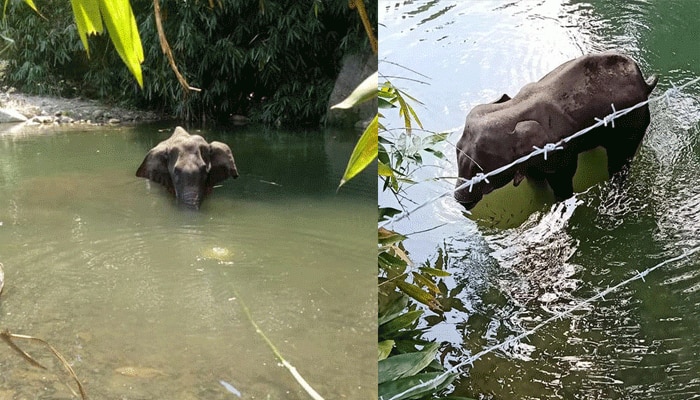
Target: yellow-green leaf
{"x": 87, "y": 19}
{"x": 121, "y": 26}
{"x": 364, "y": 153}
{"x": 423, "y": 281}
{"x": 384, "y": 170}
{"x": 419, "y": 294}
{"x": 365, "y": 91}
{"x": 385, "y": 347}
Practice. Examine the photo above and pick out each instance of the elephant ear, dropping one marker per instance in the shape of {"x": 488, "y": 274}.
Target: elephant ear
{"x": 503, "y": 99}
{"x": 525, "y": 135}
{"x": 222, "y": 164}
{"x": 155, "y": 166}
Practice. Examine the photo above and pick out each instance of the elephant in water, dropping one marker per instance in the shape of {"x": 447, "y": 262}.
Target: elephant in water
{"x": 188, "y": 166}
{"x": 563, "y": 102}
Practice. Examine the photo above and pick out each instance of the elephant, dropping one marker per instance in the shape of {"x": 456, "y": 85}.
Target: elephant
{"x": 565, "y": 101}
{"x": 188, "y": 166}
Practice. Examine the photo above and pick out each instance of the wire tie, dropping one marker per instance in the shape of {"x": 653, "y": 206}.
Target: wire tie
{"x": 477, "y": 179}
{"x": 608, "y": 118}
{"x": 547, "y": 148}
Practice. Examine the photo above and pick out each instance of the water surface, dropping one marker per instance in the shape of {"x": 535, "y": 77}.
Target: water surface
{"x": 109, "y": 270}
{"x": 640, "y": 342}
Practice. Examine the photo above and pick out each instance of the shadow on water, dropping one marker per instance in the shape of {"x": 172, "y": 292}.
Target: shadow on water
{"x": 642, "y": 340}
{"x": 142, "y": 296}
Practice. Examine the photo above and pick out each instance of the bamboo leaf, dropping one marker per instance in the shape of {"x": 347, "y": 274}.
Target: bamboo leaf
{"x": 423, "y": 281}
{"x": 383, "y": 103}
{"x": 364, "y": 153}
{"x": 121, "y": 26}
{"x": 434, "y": 272}
{"x": 365, "y": 91}
{"x": 419, "y": 295}
{"x": 87, "y": 19}
{"x": 384, "y": 170}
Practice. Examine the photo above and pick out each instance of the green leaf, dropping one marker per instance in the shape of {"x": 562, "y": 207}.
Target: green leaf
{"x": 404, "y": 365}
{"x": 407, "y": 388}
{"x": 390, "y": 261}
{"x": 385, "y": 347}
{"x": 364, "y": 153}
{"x": 386, "y": 236}
{"x": 403, "y": 321}
{"x": 383, "y": 103}
{"x": 419, "y": 294}
{"x": 387, "y": 212}
{"x": 425, "y": 281}
{"x": 121, "y": 26}
{"x": 384, "y": 170}
{"x": 88, "y": 19}
{"x": 392, "y": 309}
{"x": 434, "y": 272}
{"x": 365, "y": 91}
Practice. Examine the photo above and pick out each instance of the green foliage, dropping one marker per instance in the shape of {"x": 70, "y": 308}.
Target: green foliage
{"x": 401, "y": 154}
{"x": 273, "y": 61}
{"x": 121, "y": 25}
{"x": 407, "y": 362}
{"x": 365, "y": 150}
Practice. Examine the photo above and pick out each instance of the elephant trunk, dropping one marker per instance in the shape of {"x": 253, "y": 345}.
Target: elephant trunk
{"x": 190, "y": 198}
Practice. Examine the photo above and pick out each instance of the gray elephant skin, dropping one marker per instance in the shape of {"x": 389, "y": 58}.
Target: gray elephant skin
{"x": 188, "y": 166}
{"x": 563, "y": 102}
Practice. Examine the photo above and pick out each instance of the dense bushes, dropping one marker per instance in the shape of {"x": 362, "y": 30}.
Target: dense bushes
{"x": 273, "y": 61}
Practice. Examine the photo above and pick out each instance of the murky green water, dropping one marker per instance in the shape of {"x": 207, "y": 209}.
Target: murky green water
{"x": 640, "y": 342}
{"x": 113, "y": 274}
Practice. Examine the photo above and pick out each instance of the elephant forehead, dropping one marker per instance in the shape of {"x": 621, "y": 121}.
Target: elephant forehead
{"x": 191, "y": 142}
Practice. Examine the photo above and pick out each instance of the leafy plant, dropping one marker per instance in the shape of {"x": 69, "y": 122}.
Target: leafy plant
{"x": 365, "y": 150}
{"x": 406, "y": 361}
{"x": 273, "y": 61}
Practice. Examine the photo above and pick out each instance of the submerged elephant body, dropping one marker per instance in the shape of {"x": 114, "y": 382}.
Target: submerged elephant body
{"x": 563, "y": 102}
{"x": 188, "y": 166}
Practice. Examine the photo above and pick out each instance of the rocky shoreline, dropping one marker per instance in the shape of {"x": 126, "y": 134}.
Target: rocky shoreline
{"x": 31, "y": 110}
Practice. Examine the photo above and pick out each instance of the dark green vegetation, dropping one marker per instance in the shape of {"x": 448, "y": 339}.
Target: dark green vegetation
{"x": 407, "y": 364}
{"x": 274, "y": 62}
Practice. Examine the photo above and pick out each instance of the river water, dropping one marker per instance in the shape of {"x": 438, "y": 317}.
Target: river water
{"x": 145, "y": 299}
{"x": 641, "y": 341}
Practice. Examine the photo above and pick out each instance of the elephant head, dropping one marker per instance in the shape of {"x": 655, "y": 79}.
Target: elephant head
{"x": 567, "y": 100}
{"x": 188, "y": 166}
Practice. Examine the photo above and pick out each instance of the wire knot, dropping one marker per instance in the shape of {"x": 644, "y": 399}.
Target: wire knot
{"x": 547, "y": 148}
{"x": 477, "y": 179}
{"x": 609, "y": 118}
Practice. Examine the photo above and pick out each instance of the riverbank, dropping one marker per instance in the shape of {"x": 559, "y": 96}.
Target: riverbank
{"x": 46, "y": 110}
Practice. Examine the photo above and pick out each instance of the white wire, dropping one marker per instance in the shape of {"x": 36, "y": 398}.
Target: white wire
{"x": 547, "y": 148}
